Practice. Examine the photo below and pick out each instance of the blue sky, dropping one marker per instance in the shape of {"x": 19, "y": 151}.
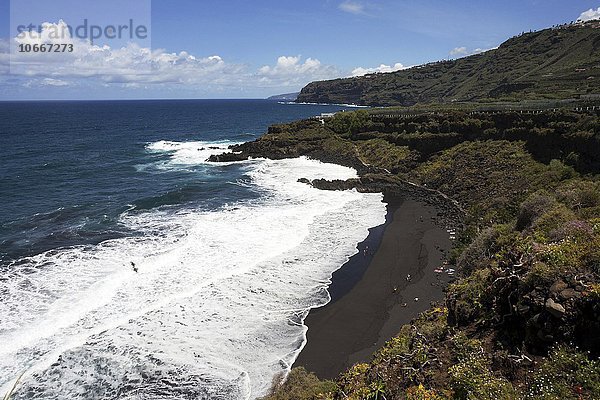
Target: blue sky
{"x": 249, "y": 49}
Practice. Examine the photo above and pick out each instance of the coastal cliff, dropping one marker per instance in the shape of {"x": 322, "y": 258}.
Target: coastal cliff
{"x": 523, "y": 318}
{"x": 558, "y": 63}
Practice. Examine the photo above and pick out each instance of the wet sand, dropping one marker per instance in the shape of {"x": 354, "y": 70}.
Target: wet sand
{"x": 387, "y": 284}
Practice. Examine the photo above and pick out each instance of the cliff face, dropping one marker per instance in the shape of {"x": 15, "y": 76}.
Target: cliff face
{"x": 284, "y": 97}
{"x": 550, "y": 64}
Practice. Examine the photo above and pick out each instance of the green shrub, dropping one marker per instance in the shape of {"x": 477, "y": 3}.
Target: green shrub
{"x": 578, "y": 250}
{"x": 471, "y": 296}
{"x": 550, "y": 221}
{"x": 533, "y": 207}
{"x": 349, "y": 123}
{"x": 580, "y": 194}
{"x": 561, "y": 172}
{"x": 472, "y": 377}
{"x": 381, "y": 153}
{"x": 489, "y": 178}
{"x": 301, "y": 385}
{"x": 421, "y": 393}
{"x": 565, "y": 374}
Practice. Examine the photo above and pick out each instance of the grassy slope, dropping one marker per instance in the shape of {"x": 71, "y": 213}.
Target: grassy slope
{"x": 523, "y": 321}
{"x": 539, "y": 65}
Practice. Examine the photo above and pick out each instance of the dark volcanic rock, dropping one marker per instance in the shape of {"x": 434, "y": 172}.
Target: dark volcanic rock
{"x": 227, "y": 157}
{"x": 310, "y": 140}
{"x": 554, "y": 308}
{"x": 569, "y": 293}
{"x": 449, "y": 212}
{"x": 558, "y": 286}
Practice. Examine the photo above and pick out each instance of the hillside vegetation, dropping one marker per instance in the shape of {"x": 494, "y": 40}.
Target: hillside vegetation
{"x": 523, "y": 319}
{"x": 560, "y": 63}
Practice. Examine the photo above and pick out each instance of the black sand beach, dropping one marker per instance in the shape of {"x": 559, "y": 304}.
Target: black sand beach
{"x": 388, "y": 283}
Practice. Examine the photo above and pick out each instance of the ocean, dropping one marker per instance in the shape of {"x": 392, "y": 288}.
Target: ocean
{"x": 132, "y": 268}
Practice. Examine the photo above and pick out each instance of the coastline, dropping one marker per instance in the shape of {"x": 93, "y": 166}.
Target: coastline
{"x": 371, "y": 297}
{"x": 495, "y": 179}
{"x": 374, "y": 293}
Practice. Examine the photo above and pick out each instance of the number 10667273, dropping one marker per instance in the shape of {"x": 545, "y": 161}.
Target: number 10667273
{"x": 45, "y": 48}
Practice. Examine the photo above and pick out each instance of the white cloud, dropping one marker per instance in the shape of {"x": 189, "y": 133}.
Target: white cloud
{"x": 352, "y": 7}
{"x": 360, "y": 71}
{"x": 133, "y": 66}
{"x": 32, "y": 83}
{"x": 459, "y": 51}
{"x": 53, "y": 82}
{"x": 291, "y": 71}
{"x": 589, "y": 15}
{"x": 128, "y": 64}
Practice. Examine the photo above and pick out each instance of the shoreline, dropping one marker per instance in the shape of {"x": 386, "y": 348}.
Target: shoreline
{"x": 373, "y": 294}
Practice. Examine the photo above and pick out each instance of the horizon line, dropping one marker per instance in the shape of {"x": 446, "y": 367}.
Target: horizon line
{"x": 136, "y": 99}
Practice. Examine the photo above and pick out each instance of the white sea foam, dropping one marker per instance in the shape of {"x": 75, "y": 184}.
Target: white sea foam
{"x": 322, "y": 104}
{"x": 215, "y": 309}
{"x": 185, "y": 153}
